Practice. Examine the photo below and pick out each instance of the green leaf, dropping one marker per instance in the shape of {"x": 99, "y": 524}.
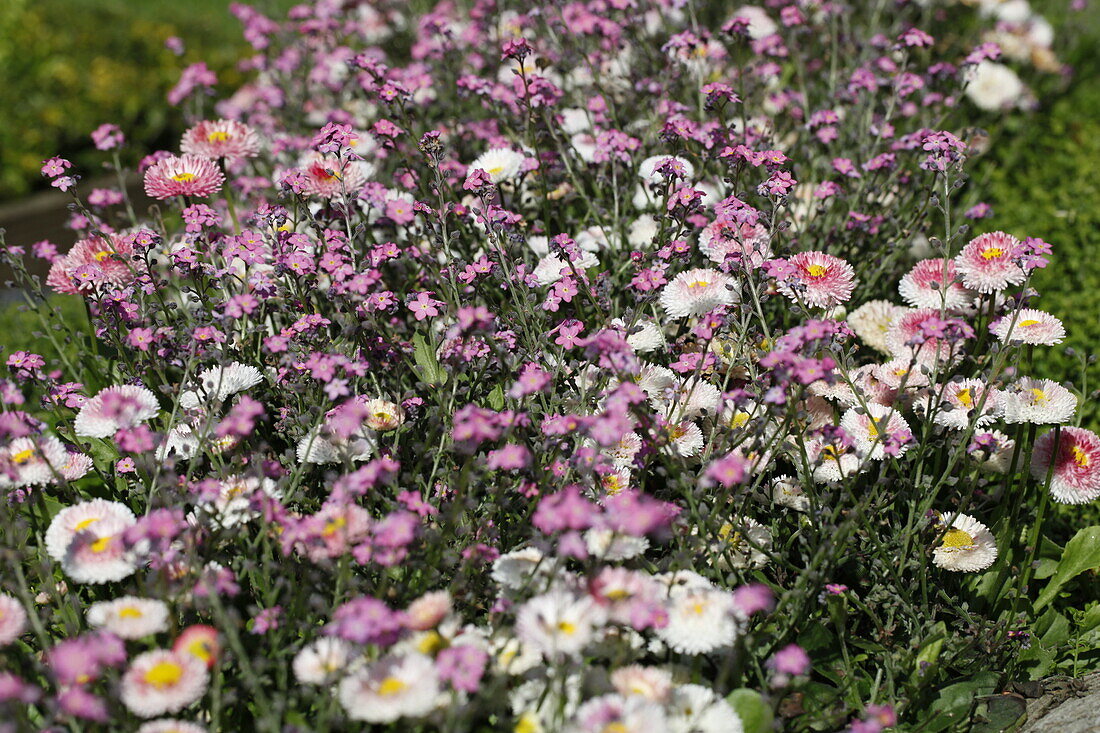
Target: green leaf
{"x": 755, "y": 714}
{"x": 428, "y": 366}
{"x": 1082, "y": 553}
{"x": 998, "y": 713}
{"x": 954, "y": 701}
{"x": 496, "y": 398}
{"x": 929, "y": 652}
{"x": 1090, "y": 620}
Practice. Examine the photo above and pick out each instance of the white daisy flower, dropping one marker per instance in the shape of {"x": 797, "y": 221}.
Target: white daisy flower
{"x": 129, "y": 617}
{"x": 1039, "y": 401}
{"x": 968, "y": 546}
{"x": 502, "y": 164}
{"x": 98, "y": 554}
{"x": 652, "y": 683}
{"x": 644, "y": 335}
{"x": 322, "y": 661}
{"x": 958, "y": 402}
{"x": 392, "y": 688}
{"x": 831, "y": 464}
{"x": 518, "y": 568}
{"x": 558, "y": 623}
{"x": 168, "y": 725}
{"x": 992, "y": 86}
{"x": 619, "y": 714}
{"x": 1030, "y": 326}
{"x": 999, "y": 457}
{"x": 698, "y": 709}
{"x": 218, "y": 383}
{"x": 162, "y": 681}
{"x": 685, "y": 439}
{"x": 551, "y": 268}
{"x": 81, "y": 517}
{"x": 609, "y": 545}
{"x": 115, "y": 408}
{"x": 872, "y": 320}
{"x": 743, "y": 543}
{"x": 700, "y": 621}
{"x": 695, "y": 292}
{"x": 869, "y": 429}
{"x": 39, "y": 460}
{"x": 786, "y": 491}
{"x": 642, "y": 232}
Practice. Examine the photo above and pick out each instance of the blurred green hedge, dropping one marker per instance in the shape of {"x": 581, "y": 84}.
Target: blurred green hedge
{"x": 67, "y": 66}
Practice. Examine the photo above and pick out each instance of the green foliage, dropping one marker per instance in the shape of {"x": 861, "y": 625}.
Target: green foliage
{"x": 1082, "y": 554}
{"x": 68, "y": 66}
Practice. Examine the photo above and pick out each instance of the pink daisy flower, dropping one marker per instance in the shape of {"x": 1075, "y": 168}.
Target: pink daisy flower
{"x": 987, "y": 263}
{"x": 221, "y": 139}
{"x": 328, "y": 177}
{"x": 696, "y": 292}
{"x": 185, "y": 175}
{"x": 101, "y": 261}
{"x": 933, "y": 284}
{"x": 115, "y": 408}
{"x": 162, "y": 681}
{"x": 32, "y": 461}
{"x": 745, "y": 243}
{"x": 909, "y": 337}
{"x": 13, "y": 619}
{"x": 870, "y": 429}
{"x": 1030, "y": 326}
{"x": 826, "y": 280}
{"x": 1075, "y": 477}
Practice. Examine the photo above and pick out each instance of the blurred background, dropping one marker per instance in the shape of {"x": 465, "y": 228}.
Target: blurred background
{"x": 67, "y": 66}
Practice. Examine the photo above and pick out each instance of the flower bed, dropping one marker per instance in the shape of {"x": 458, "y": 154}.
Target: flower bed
{"x": 608, "y": 366}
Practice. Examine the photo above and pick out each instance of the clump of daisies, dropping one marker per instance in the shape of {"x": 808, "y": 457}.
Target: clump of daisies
{"x": 587, "y": 367}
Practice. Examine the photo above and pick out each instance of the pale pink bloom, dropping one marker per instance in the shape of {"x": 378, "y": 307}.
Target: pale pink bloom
{"x": 162, "y": 681}
{"x": 110, "y": 257}
{"x": 987, "y": 263}
{"x": 695, "y": 292}
{"x": 33, "y": 461}
{"x": 167, "y": 725}
{"x": 185, "y": 175}
{"x": 906, "y": 338}
{"x": 1075, "y": 475}
{"x": 98, "y": 553}
{"x": 933, "y": 284}
{"x": 871, "y": 429}
{"x": 114, "y": 408}
{"x": 13, "y": 619}
{"x": 747, "y": 243}
{"x": 652, "y": 683}
{"x": 80, "y": 517}
{"x": 129, "y": 617}
{"x": 428, "y": 610}
{"x": 221, "y": 139}
{"x": 327, "y": 176}
{"x": 1030, "y": 326}
{"x": 958, "y": 403}
{"x": 827, "y": 280}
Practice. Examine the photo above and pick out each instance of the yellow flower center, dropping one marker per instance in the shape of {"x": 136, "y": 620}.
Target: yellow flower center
{"x": 100, "y": 256}
{"x": 739, "y": 420}
{"x": 699, "y": 284}
{"x": 698, "y": 608}
{"x": 1080, "y": 457}
{"x": 612, "y": 484}
{"x": 1037, "y": 396}
{"x": 964, "y": 397}
{"x": 431, "y": 643}
{"x": 872, "y": 430}
{"x": 101, "y": 544}
{"x": 85, "y": 523}
{"x": 334, "y": 525}
{"x": 23, "y": 456}
{"x": 956, "y": 538}
{"x": 201, "y": 649}
{"x": 183, "y": 177}
{"x": 528, "y": 723}
{"x": 618, "y": 594}
{"x": 164, "y": 674}
{"x": 130, "y": 612}
{"x": 391, "y": 686}
{"x": 218, "y": 136}
{"x": 1029, "y": 322}
{"x": 567, "y": 628}
{"x": 616, "y": 727}
{"x": 816, "y": 270}
{"x": 992, "y": 253}
{"x": 496, "y": 170}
